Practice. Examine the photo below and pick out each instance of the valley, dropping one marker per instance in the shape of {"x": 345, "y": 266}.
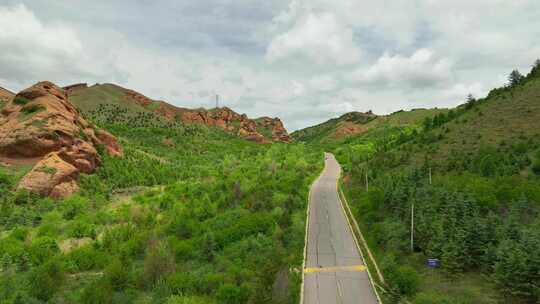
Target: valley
{"x": 108, "y": 196}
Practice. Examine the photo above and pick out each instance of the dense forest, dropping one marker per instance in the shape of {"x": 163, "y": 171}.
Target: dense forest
{"x": 470, "y": 180}
{"x": 190, "y": 214}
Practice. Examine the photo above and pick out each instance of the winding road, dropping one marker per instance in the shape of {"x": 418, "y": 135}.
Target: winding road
{"x": 334, "y": 269}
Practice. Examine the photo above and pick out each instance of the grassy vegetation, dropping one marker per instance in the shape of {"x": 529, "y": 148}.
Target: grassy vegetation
{"x": 479, "y": 215}
{"x": 19, "y": 100}
{"x": 264, "y": 131}
{"x": 326, "y": 133}
{"x": 90, "y": 99}
{"x": 188, "y": 215}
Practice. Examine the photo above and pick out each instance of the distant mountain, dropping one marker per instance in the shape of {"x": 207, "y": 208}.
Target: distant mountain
{"x": 111, "y": 99}
{"x": 357, "y": 123}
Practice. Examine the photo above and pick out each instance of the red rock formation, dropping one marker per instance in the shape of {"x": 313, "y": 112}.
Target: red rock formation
{"x": 239, "y": 124}
{"x": 279, "y": 133}
{"x": 224, "y": 118}
{"x": 5, "y": 95}
{"x": 40, "y": 122}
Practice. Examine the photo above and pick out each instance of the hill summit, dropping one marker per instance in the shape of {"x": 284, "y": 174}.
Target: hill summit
{"x": 110, "y": 99}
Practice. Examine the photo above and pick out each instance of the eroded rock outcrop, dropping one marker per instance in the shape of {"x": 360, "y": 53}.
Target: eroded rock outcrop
{"x": 39, "y": 123}
{"x": 261, "y": 130}
{"x": 5, "y": 95}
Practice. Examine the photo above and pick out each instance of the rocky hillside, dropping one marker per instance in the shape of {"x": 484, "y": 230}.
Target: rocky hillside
{"x": 40, "y": 127}
{"x": 357, "y": 123}
{"x": 108, "y": 99}
{"x": 5, "y": 96}
{"x": 335, "y": 128}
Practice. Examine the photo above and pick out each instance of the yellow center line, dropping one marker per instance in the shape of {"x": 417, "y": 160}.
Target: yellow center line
{"x": 335, "y": 269}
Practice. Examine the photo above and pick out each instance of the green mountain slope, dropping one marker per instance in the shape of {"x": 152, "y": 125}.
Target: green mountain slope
{"x": 109, "y": 102}
{"x": 189, "y": 214}
{"x": 353, "y": 124}
{"x": 473, "y": 177}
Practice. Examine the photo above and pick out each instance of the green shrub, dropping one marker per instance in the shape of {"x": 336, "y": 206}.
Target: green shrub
{"x": 31, "y": 109}
{"x": 74, "y": 205}
{"x": 159, "y": 262}
{"x": 433, "y": 298}
{"x": 81, "y": 227}
{"x": 46, "y": 280}
{"x": 187, "y": 300}
{"x": 231, "y": 294}
{"x": 98, "y": 291}
{"x": 183, "y": 283}
{"x": 536, "y": 164}
{"x": 118, "y": 275}
{"x": 402, "y": 279}
{"x": 19, "y": 100}
{"x": 42, "y": 249}
{"x": 85, "y": 258}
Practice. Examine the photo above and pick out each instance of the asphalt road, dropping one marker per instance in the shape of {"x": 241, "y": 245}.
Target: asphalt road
{"x": 334, "y": 270}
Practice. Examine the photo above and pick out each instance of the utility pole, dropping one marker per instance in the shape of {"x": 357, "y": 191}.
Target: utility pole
{"x": 412, "y": 226}
{"x": 217, "y": 101}
{"x": 430, "y": 175}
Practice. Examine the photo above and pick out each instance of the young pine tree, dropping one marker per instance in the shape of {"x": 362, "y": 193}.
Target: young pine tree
{"x": 515, "y": 78}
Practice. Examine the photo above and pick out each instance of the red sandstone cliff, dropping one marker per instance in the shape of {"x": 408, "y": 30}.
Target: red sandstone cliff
{"x": 40, "y": 124}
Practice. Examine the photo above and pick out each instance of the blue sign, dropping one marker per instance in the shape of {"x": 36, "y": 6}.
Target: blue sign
{"x": 433, "y": 263}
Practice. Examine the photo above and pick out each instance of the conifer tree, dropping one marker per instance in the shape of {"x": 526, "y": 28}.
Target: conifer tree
{"x": 515, "y": 78}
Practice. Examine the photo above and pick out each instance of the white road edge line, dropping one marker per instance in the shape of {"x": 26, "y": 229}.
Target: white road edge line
{"x": 362, "y": 238}
{"x": 354, "y": 237}
{"x": 306, "y": 237}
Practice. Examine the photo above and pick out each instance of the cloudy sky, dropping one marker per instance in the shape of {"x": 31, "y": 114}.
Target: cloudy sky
{"x": 302, "y": 60}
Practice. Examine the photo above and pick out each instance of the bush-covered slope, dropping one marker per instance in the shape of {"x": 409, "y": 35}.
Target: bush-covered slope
{"x": 189, "y": 214}
{"x": 111, "y": 102}
{"x": 354, "y": 124}
{"x": 473, "y": 177}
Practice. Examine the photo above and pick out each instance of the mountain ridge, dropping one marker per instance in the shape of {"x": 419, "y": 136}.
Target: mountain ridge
{"x": 357, "y": 123}
{"x": 261, "y": 130}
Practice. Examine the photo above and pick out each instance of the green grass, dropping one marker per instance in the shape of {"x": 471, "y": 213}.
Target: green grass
{"x": 154, "y": 106}
{"x": 47, "y": 170}
{"x": 325, "y": 133}
{"x": 467, "y": 288}
{"x": 103, "y": 94}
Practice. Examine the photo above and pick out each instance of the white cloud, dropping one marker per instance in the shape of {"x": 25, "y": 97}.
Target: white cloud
{"x": 32, "y": 49}
{"x": 320, "y": 38}
{"x": 323, "y": 83}
{"x": 422, "y": 69}
{"x": 302, "y": 60}
{"x": 457, "y": 94}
